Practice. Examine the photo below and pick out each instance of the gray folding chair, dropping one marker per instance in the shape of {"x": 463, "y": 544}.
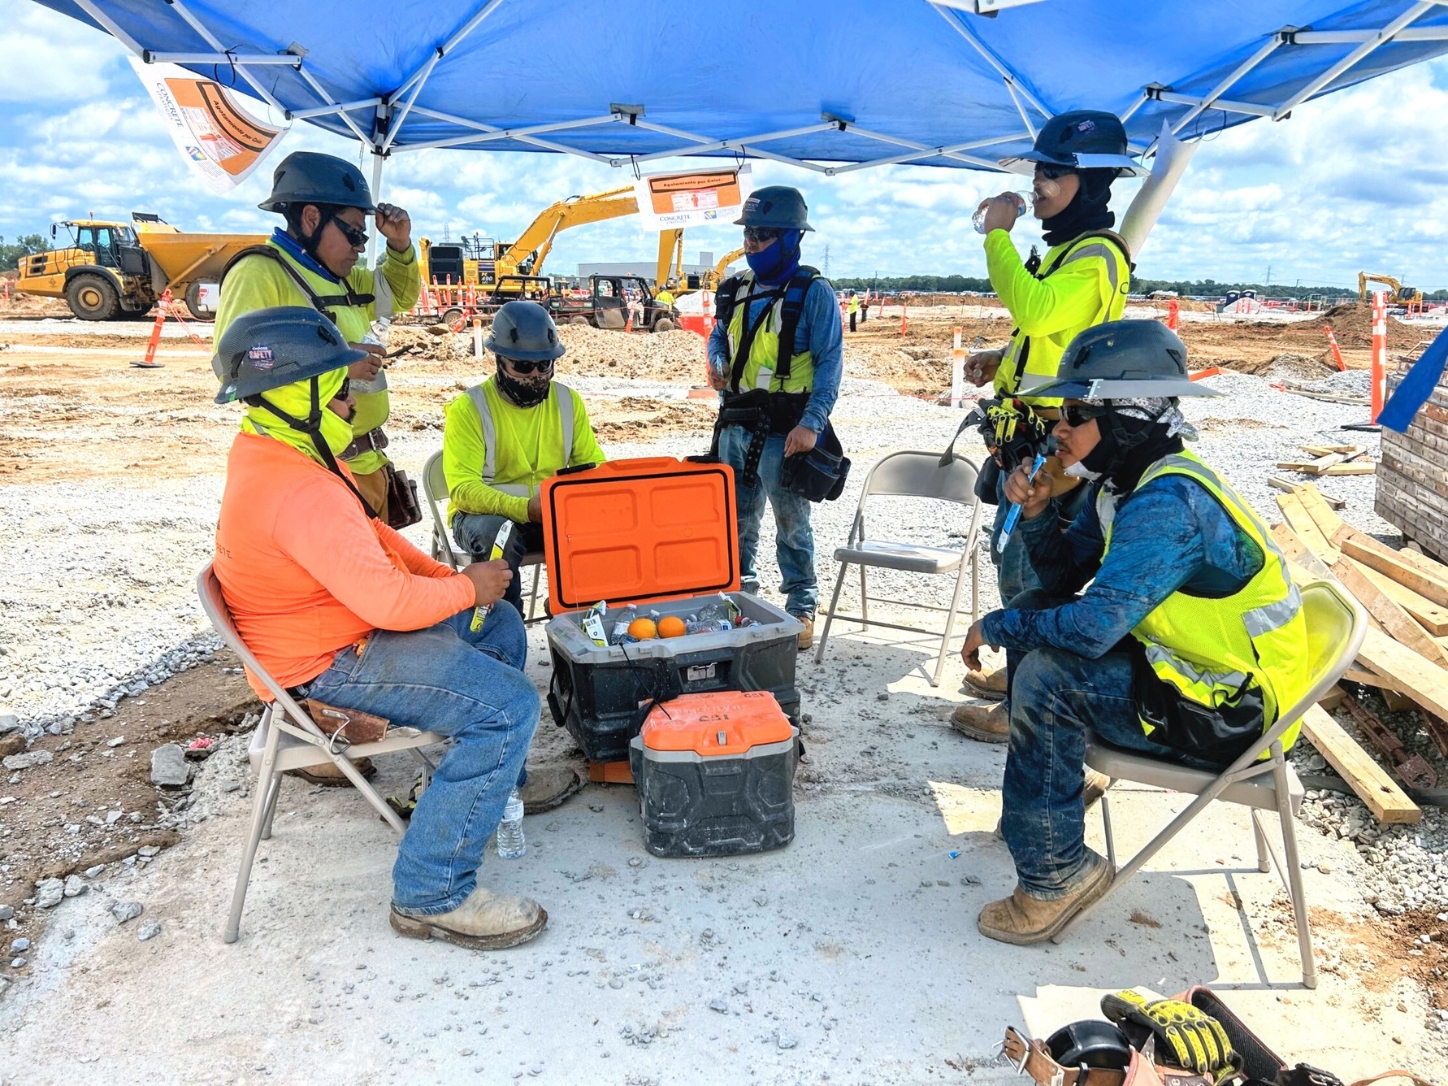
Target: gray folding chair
{"x": 434, "y": 486}
{"x": 1336, "y": 625}
{"x": 912, "y": 475}
{"x": 287, "y": 738}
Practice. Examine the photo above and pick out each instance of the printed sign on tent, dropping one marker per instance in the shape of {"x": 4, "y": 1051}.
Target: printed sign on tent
{"x": 216, "y": 136}
{"x": 668, "y": 201}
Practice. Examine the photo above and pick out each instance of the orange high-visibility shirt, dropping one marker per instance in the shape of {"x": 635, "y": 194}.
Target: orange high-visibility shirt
{"x": 305, "y": 572}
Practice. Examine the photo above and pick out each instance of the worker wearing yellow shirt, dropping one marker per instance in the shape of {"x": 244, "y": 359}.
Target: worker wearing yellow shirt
{"x": 1081, "y": 282}
{"x": 314, "y": 261}
{"x": 665, "y": 297}
{"x": 503, "y": 437}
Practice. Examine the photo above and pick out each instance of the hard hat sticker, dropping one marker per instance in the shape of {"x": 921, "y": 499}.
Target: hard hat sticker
{"x": 261, "y": 358}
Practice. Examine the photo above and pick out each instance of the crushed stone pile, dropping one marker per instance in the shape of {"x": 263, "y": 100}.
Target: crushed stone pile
{"x": 1288, "y": 364}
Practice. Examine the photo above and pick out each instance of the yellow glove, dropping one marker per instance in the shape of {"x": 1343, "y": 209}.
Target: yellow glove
{"x": 1196, "y": 1040}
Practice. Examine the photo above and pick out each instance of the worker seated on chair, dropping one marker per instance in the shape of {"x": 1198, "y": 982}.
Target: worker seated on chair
{"x": 503, "y": 437}
{"x": 341, "y": 609}
{"x": 1187, "y": 643}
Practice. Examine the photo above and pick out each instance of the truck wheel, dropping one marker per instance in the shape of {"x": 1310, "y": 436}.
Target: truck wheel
{"x": 193, "y": 303}
{"x": 577, "y": 320}
{"x": 663, "y": 324}
{"x": 92, "y": 298}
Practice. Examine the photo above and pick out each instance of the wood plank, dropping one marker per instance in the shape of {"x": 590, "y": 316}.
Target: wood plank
{"x": 1370, "y": 781}
{"x": 1368, "y": 468}
{"x": 1425, "y": 682}
{"x": 1426, "y": 564}
{"x": 1367, "y": 677}
{"x": 1396, "y": 621}
{"x": 1323, "y": 463}
{"x": 1328, "y": 522}
{"x": 1301, "y": 522}
{"x": 1428, "y": 614}
{"x": 1325, "y": 450}
{"x": 1382, "y": 558}
{"x": 1397, "y": 701}
{"x": 1333, "y": 698}
{"x": 1300, "y": 560}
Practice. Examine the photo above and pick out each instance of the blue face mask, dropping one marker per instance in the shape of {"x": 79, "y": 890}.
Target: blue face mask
{"x": 778, "y": 261}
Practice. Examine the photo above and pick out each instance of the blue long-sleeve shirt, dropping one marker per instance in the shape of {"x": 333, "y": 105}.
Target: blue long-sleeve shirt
{"x": 820, "y": 333}
{"x": 1169, "y": 534}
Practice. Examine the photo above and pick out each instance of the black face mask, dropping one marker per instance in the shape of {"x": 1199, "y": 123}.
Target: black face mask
{"x": 523, "y": 393}
{"x": 1087, "y": 210}
{"x": 1128, "y": 446}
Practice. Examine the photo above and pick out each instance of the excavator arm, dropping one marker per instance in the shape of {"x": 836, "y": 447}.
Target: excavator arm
{"x": 532, "y": 246}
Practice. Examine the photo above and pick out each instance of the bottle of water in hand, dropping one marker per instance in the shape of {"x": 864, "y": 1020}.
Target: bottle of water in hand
{"x": 1023, "y": 201}
{"x": 510, "y": 831}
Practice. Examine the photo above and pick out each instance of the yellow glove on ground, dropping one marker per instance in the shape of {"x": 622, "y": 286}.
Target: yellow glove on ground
{"x": 1196, "y": 1040}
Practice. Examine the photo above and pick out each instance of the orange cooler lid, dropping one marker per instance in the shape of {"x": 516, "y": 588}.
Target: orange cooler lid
{"x": 721, "y": 722}
{"x": 633, "y": 531}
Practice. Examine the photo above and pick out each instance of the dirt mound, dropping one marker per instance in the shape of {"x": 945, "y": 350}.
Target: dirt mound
{"x": 1288, "y": 364}
{"x": 1352, "y": 324}
{"x": 676, "y": 357}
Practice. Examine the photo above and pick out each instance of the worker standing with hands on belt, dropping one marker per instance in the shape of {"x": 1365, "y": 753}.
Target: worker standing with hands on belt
{"x": 314, "y": 261}
{"x": 776, "y": 354}
{"x": 1082, "y": 281}
{"x": 1187, "y": 638}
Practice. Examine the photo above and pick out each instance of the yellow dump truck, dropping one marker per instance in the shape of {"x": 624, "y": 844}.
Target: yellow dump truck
{"x": 116, "y": 270}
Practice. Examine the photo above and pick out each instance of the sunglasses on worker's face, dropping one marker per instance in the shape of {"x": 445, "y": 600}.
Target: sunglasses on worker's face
{"x": 356, "y": 236}
{"x": 1080, "y": 414}
{"x": 523, "y": 366}
{"x": 1054, "y": 173}
{"x": 761, "y": 235}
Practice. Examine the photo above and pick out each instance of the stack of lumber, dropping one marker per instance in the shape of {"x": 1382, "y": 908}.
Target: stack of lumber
{"x": 1405, "y": 653}
{"x": 1331, "y": 460}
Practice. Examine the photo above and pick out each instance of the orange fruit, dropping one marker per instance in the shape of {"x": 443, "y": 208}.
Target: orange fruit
{"x": 643, "y": 629}
{"x": 671, "y": 626}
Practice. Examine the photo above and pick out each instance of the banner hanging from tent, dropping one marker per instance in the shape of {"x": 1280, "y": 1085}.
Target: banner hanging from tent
{"x": 220, "y": 140}
{"x": 669, "y": 201}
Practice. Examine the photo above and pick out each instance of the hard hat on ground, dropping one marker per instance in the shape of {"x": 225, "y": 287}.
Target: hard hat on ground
{"x": 1083, "y": 139}
{"x": 777, "y": 206}
{"x": 1121, "y": 360}
{"x": 524, "y": 330}
{"x": 309, "y": 177}
{"x": 268, "y": 348}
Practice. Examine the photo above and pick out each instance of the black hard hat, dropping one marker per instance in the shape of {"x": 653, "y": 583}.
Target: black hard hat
{"x": 1122, "y": 360}
{"x": 1083, "y": 139}
{"x": 1090, "y": 1043}
{"x": 268, "y": 348}
{"x": 818, "y": 475}
{"x": 777, "y": 206}
{"x": 524, "y": 330}
{"x": 308, "y": 177}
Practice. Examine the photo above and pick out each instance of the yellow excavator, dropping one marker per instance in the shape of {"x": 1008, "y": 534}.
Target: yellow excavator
{"x": 670, "y": 271}
{"x": 1398, "y": 294}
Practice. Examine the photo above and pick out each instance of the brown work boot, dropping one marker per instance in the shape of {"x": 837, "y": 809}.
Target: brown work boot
{"x": 485, "y": 921}
{"x": 1095, "y": 788}
{"x": 548, "y": 786}
{"x": 990, "y": 685}
{"x": 806, "y": 639}
{"x": 986, "y": 721}
{"x": 1022, "y": 919}
{"x": 329, "y": 776}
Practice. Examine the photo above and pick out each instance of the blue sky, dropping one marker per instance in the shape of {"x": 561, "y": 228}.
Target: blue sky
{"x": 1357, "y": 180}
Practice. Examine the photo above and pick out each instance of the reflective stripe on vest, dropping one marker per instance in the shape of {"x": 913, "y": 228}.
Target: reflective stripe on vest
{"x": 1043, "y": 359}
{"x": 1210, "y": 650}
{"x": 563, "y": 401}
{"x": 764, "y": 351}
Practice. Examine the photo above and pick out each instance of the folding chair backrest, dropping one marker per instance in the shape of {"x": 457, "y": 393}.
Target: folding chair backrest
{"x": 920, "y": 475}
{"x": 434, "y": 488}
{"x": 1336, "y": 626}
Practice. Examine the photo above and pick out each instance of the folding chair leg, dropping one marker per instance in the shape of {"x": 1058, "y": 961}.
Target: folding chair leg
{"x": 533, "y": 597}
{"x": 974, "y": 583}
{"x": 369, "y": 793}
{"x": 1264, "y": 861}
{"x": 834, "y": 606}
{"x": 949, "y": 626}
{"x": 1106, "y": 829}
{"x": 271, "y": 805}
{"x": 1294, "y": 868}
{"x": 864, "y": 601}
{"x": 264, "y": 782}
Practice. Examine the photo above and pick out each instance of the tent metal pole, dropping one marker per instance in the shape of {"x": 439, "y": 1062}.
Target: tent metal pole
{"x": 1011, "y": 90}
{"x": 1226, "y": 84}
{"x": 720, "y": 145}
{"x": 377, "y": 158}
{"x": 421, "y": 82}
{"x": 899, "y": 142}
{"x": 215, "y": 43}
{"x": 1348, "y": 37}
{"x": 994, "y": 61}
{"x": 327, "y": 111}
{"x": 759, "y": 152}
{"x": 446, "y": 47}
{"x": 254, "y": 60}
{"x": 1249, "y": 108}
{"x": 509, "y": 133}
{"x": 1145, "y": 98}
{"x": 321, "y": 93}
{"x": 1384, "y": 35}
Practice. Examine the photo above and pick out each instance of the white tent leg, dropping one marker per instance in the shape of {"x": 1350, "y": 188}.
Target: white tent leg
{"x": 376, "y": 199}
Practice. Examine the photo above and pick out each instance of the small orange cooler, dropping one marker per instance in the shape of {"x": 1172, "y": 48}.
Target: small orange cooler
{"x": 715, "y": 774}
{"x": 660, "y": 534}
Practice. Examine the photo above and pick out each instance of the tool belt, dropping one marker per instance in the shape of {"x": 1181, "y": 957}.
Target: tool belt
{"x": 374, "y": 440}
{"x": 762, "y": 413}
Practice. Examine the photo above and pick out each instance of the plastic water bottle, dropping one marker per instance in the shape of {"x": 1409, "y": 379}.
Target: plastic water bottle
{"x": 510, "y": 831}
{"x": 622, "y": 623}
{"x": 1022, "y": 203}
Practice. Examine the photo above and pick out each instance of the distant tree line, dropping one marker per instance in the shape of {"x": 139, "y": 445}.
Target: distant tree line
{"x": 1205, "y": 288}
{"x": 11, "y": 252}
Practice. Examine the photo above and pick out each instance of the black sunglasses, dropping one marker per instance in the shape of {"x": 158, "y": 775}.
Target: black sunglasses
{"x": 356, "y": 237}
{"x": 1080, "y": 414}
{"x": 760, "y": 233}
{"x": 1054, "y": 173}
{"x": 518, "y": 365}
{"x": 345, "y": 390}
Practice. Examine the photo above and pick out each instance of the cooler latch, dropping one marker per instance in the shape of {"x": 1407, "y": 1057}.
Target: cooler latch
{"x": 723, "y": 739}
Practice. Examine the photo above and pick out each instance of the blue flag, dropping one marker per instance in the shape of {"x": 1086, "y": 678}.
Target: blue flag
{"x": 1416, "y": 386}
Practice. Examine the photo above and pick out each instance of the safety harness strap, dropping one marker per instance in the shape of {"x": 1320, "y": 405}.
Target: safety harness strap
{"x": 321, "y": 302}
{"x": 312, "y": 427}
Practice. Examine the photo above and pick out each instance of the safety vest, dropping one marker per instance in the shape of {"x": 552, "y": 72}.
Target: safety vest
{"x": 854, "y": 305}
{"x": 1211, "y": 651}
{"x": 663, "y": 297}
{"x": 765, "y": 332}
{"x": 1033, "y": 360}
{"x": 560, "y": 400}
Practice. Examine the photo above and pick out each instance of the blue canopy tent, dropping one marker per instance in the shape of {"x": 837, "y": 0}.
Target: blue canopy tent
{"x": 829, "y": 86}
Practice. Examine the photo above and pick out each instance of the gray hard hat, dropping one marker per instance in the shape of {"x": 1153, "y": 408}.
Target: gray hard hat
{"x": 309, "y": 177}
{"x": 268, "y": 348}
{"x": 777, "y": 206}
{"x": 1083, "y": 139}
{"x": 1122, "y": 360}
{"x": 524, "y": 330}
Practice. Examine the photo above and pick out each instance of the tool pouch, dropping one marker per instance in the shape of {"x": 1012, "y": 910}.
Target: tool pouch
{"x": 403, "y": 508}
{"x": 351, "y": 725}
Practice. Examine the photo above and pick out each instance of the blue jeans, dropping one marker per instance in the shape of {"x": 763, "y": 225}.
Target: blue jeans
{"x": 1055, "y": 695}
{"x": 1014, "y": 573}
{"x": 475, "y": 533}
{"x": 470, "y": 687}
{"x": 793, "y": 536}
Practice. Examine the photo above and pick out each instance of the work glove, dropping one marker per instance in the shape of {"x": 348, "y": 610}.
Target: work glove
{"x": 1195, "y": 1040}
